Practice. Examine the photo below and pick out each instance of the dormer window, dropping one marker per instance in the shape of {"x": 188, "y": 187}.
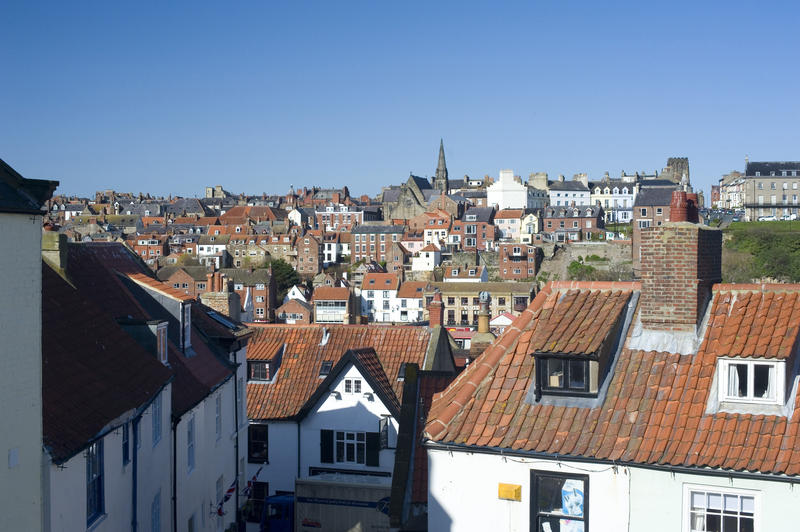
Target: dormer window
{"x": 751, "y": 381}
{"x": 567, "y": 376}
{"x": 259, "y": 371}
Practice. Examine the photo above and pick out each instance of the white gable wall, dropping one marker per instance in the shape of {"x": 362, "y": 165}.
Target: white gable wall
{"x": 353, "y": 412}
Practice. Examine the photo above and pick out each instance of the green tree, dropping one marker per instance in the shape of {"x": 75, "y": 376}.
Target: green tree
{"x": 285, "y": 276}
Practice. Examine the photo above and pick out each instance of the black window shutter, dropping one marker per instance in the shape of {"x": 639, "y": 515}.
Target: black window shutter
{"x": 326, "y": 446}
{"x": 373, "y": 448}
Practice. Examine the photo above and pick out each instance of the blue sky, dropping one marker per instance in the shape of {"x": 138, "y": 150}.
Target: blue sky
{"x": 260, "y": 95}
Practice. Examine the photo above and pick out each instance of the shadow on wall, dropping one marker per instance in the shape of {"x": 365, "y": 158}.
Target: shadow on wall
{"x": 438, "y": 518}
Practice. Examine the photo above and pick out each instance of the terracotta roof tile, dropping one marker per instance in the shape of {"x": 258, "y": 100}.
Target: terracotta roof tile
{"x": 654, "y": 410}
{"x": 298, "y": 376}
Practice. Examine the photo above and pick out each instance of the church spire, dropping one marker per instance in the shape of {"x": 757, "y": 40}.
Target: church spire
{"x": 440, "y": 181}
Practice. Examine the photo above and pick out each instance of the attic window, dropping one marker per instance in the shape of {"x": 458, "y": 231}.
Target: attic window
{"x": 751, "y": 381}
{"x": 325, "y": 369}
{"x": 258, "y": 371}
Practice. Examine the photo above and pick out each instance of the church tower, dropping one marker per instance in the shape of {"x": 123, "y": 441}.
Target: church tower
{"x": 440, "y": 181}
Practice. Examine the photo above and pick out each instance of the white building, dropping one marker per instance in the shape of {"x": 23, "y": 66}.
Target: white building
{"x": 617, "y": 198}
{"x": 410, "y": 303}
{"x": 426, "y": 259}
{"x": 333, "y": 408}
{"x": 658, "y": 412}
{"x": 508, "y": 192}
{"x": 20, "y": 327}
{"x": 379, "y": 296}
{"x": 565, "y": 193}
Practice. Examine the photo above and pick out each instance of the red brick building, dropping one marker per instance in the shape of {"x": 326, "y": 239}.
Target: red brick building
{"x": 189, "y": 279}
{"x": 518, "y": 261}
{"x": 150, "y": 247}
{"x": 294, "y": 312}
{"x": 475, "y": 230}
{"x": 573, "y": 223}
{"x": 309, "y": 255}
{"x": 256, "y": 287}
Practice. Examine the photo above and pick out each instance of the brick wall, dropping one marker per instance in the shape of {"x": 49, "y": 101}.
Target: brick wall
{"x": 680, "y": 262}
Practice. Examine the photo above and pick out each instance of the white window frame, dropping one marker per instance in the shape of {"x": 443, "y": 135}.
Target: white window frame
{"x": 686, "y": 507}
{"x": 779, "y": 374}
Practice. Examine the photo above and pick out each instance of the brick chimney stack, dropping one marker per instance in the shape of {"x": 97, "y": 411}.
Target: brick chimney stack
{"x": 681, "y": 261}
{"x": 436, "y": 310}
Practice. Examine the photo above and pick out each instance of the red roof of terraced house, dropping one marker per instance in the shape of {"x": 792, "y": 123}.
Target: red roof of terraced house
{"x": 661, "y": 405}
{"x": 300, "y": 350}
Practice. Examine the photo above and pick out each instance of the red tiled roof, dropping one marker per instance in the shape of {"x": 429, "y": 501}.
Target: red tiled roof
{"x": 100, "y": 271}
{"x": 298, "y": 376}
{"x": 654, "y": 411}
{"x": 93, "y": 372}
{"x": 380, "y": 281}
{"x": 411, "y": 289}
{"x": 509, "y": 213}
{"x": 328, "y": 293}
{"x": 430, "y": 247}
{"x": 157, "y": 285}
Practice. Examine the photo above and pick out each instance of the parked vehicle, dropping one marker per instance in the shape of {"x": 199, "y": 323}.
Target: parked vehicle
{"x": 334, "y": 505}
{"x": 767, "y": 218}
{"x": 278, "y": 514}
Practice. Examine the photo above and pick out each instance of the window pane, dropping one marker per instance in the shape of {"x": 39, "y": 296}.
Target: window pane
{"x": 555, "y": 373}
{"x": 748, "y": 505}
{"x": 746, "y": 524}
{"x": 763, "y": 379}
{"x": 731, "y": 503}
{"x": 729, "y": 522}
{"x": 560, "y": 496}
{"x": 351, "y": 452}
{"x": 713, "y": 523}
{"x": 698, "y": 500}
{"x": 737, "y": 380}
{"x": 577, "y": 374}
{"x": 714, "y": 501}
{"x": 340, "y": 451}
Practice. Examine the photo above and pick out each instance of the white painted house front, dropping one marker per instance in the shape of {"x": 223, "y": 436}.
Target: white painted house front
{"x": 508, "y": 192}
{"x": 347, "y": 427}
{"x": 426, "y": 259}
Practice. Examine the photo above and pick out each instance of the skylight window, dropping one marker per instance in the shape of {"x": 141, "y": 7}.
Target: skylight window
{"x": 325, "y": 369}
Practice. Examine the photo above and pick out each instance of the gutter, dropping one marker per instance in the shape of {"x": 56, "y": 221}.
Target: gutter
{"x": 134, "y": 467}
{"x": 436, "y": 446}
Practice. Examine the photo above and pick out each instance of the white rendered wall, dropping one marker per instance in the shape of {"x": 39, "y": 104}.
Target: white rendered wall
{"x": 463, "y": 492}
{"x": 353, "y": 412}
{"x": 66, "y": 484}
{"x": 777, "y": 504}
{"x": 507, "y": 193}
{"x": 213, "y": 457}
{"x": 21, "y": 365}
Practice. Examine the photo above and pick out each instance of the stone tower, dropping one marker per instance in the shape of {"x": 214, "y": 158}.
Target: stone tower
{"x": 440, "y": 181}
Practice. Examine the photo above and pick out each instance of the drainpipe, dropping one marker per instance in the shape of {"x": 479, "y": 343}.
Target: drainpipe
{"x": 175, "y": 474}
{"x": 236, "y": 408}
{"x": 134, "y": 466}
{"x": 298, "y": 449}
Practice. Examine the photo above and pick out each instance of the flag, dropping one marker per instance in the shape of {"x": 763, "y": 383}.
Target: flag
{"x": 230, "y": 491}
{"x": 248, "y": 490}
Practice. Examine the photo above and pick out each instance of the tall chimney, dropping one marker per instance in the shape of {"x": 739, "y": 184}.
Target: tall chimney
{"x": 436, "y": 310}
{"x": 681, "y": 261}
{"x": 483, "y": 314}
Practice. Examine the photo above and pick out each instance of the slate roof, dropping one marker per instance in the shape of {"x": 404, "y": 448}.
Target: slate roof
{"x": 93, "y": 372}
{"x": 185, "y": 206}
{"x": 21, "y": 195}
{"x": 377, "y": 229}
{"x": 247, "y": 277}
{"x": 772, "y": 166}
{"x": 482, "y": 214}
{"x": 298, "y": 376}
{"x": 580, "y": 211}
{"x": 654, "y": 411}
{"x": 572, "y": 186}
{"x": 422, "y": 183}
{"x": 655, "y": 196}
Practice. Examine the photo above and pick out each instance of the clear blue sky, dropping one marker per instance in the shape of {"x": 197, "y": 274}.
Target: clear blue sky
{"x": 168, "y": 98}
